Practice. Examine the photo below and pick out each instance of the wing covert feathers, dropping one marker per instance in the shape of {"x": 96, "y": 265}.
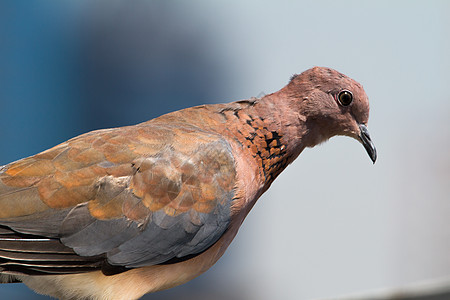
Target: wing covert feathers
{"x": 126, "y": 197}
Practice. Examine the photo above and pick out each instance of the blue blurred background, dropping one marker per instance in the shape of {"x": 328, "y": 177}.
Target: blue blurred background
{"x": 332, "y": 224}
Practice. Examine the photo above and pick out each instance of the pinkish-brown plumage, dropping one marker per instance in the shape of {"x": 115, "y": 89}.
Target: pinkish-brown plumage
{"x": 123, "y": 212}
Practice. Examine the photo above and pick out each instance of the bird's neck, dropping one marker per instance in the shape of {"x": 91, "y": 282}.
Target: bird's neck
{"x": 268, "y": 130}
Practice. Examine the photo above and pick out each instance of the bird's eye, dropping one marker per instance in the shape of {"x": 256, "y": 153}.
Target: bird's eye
{"x": 345, "y": 98}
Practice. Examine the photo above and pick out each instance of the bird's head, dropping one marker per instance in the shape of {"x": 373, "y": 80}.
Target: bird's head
{"x": 330, "y": 104}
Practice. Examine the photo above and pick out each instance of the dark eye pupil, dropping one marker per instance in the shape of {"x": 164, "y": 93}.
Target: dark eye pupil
{"x": 345, "y": 98}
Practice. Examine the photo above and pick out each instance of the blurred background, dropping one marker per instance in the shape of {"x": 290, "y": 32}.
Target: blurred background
{"x": 337, "y": 225}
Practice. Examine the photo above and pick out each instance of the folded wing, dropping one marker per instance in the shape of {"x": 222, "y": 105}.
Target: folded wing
{"x": 115, "y": 199}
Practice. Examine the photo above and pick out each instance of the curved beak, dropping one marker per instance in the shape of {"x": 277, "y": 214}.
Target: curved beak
{"x": 367, "y": 142}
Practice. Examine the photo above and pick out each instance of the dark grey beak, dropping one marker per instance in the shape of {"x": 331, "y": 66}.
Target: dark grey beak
{"x": 367, "y": 142}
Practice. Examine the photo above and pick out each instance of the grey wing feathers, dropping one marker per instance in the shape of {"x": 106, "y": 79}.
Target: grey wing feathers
{"x": 168, "y": 213}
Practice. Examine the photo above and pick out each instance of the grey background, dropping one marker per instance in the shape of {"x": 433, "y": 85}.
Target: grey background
{"x": 332, "y": 223}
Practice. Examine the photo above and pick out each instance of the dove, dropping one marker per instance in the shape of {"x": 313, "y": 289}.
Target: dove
{"x": 118, "y": 213}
